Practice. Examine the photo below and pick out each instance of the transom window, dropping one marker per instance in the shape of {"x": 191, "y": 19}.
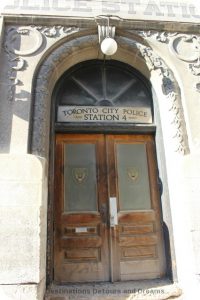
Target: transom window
{"x": 103, "y": 83}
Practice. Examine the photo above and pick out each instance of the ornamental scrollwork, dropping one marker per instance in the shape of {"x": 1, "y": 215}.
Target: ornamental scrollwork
{"x": 195, "y": 68}
{"x": 154, "y": 62}
{"x": 185, "y": 47}
{"x": 163, "y": 37}
{"x": 169, "y": 88}
{"x": 25, "y": 41}
{"x": 56, "y": 31}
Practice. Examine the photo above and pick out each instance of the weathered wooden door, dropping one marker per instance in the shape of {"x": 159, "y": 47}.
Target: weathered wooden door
{"x": 107, "y": 209}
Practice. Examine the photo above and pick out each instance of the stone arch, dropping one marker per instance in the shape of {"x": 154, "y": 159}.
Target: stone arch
{"x": 133, "y": 51}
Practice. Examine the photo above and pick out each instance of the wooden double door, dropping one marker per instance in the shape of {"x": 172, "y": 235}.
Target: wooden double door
{"x": 107, "y": 209}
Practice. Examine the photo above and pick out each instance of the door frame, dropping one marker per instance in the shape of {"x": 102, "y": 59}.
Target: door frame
{"x": 80, "y": 128}
{"x": 131, "y": 131}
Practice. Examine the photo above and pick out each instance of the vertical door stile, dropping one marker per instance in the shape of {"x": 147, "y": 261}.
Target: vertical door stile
{"x": 103, "y": 203}
{"x": 59, "y": 169}
{"x": 112, "y": 187}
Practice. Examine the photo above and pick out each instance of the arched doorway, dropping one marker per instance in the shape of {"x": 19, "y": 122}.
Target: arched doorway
{"x": 108, "y": 223}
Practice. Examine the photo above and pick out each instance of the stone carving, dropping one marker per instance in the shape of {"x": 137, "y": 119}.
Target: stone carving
{"x": 15, "y": 64}
{"x": 145, "y": 34}
{"x": 23, "y": 41}
{"x": 11, "y": 90}
{"x": 187, "y": 48}
{"x": 56, "y": 31}
{"x": 198, "y": 87}
{"x": 184, "y": 46}
{"x": 105, "y": 31}
{"x": 163, "y": 37}
{"x": 195, "y": 68}
{"x": 20, "y": 64}
{"x": 154, "y": 62}
{"x": 27, "y": 41}
{"x": 178, "y": 122}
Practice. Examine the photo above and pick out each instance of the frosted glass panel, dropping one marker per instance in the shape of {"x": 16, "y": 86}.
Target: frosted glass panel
{"x": 80, "y": 183}
{"x": 133, "y": 181}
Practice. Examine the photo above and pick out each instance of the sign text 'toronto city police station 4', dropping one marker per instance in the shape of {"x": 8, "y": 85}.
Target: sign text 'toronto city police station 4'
{"x": 101, "y": 114}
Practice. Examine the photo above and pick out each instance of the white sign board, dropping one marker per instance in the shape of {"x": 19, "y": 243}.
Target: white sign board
{"x": 81, "y": 229}
{"x": 104, "y": 114}
{"x": 169, "y": 10}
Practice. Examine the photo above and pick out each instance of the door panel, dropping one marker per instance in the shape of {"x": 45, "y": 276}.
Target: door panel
{"x": 133, "y": 179}
{"x": 81, "y": 234}
{"x": 132, "y": 174}
{"x": 80, "y": 177}
{"x": 90, "y": 243}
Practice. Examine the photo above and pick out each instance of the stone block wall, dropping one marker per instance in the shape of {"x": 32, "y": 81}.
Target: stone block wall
{"x": 23, "y": 201}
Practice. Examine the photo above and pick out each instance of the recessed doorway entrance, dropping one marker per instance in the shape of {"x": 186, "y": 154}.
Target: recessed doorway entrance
{"x": 107, "y": 209}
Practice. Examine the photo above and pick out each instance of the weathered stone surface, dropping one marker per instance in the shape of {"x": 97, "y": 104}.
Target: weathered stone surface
{"x": 23, "y": 200}
{"x": 23, "y": 291}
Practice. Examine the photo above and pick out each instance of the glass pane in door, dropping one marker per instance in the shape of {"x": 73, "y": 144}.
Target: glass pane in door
{"x": 80, "y": 180}
{"x": 133, "y": 179}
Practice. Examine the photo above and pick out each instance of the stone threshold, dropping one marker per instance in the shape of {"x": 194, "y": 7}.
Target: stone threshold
{"x": 128, "y": 290}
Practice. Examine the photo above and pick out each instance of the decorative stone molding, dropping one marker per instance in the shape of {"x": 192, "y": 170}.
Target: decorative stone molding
{"x": 170, "y": 90}
{"x": 162, "y": 37}
{"x": 187, "y": 48}
{"x": 56, "y": 31}
{"x": 23, "y": 41}
{"x": 26, "y": 41}
{"x": 184, "y": 46}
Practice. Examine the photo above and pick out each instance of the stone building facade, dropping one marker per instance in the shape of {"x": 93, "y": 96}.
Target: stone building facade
{"x": 42, "y": 41}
